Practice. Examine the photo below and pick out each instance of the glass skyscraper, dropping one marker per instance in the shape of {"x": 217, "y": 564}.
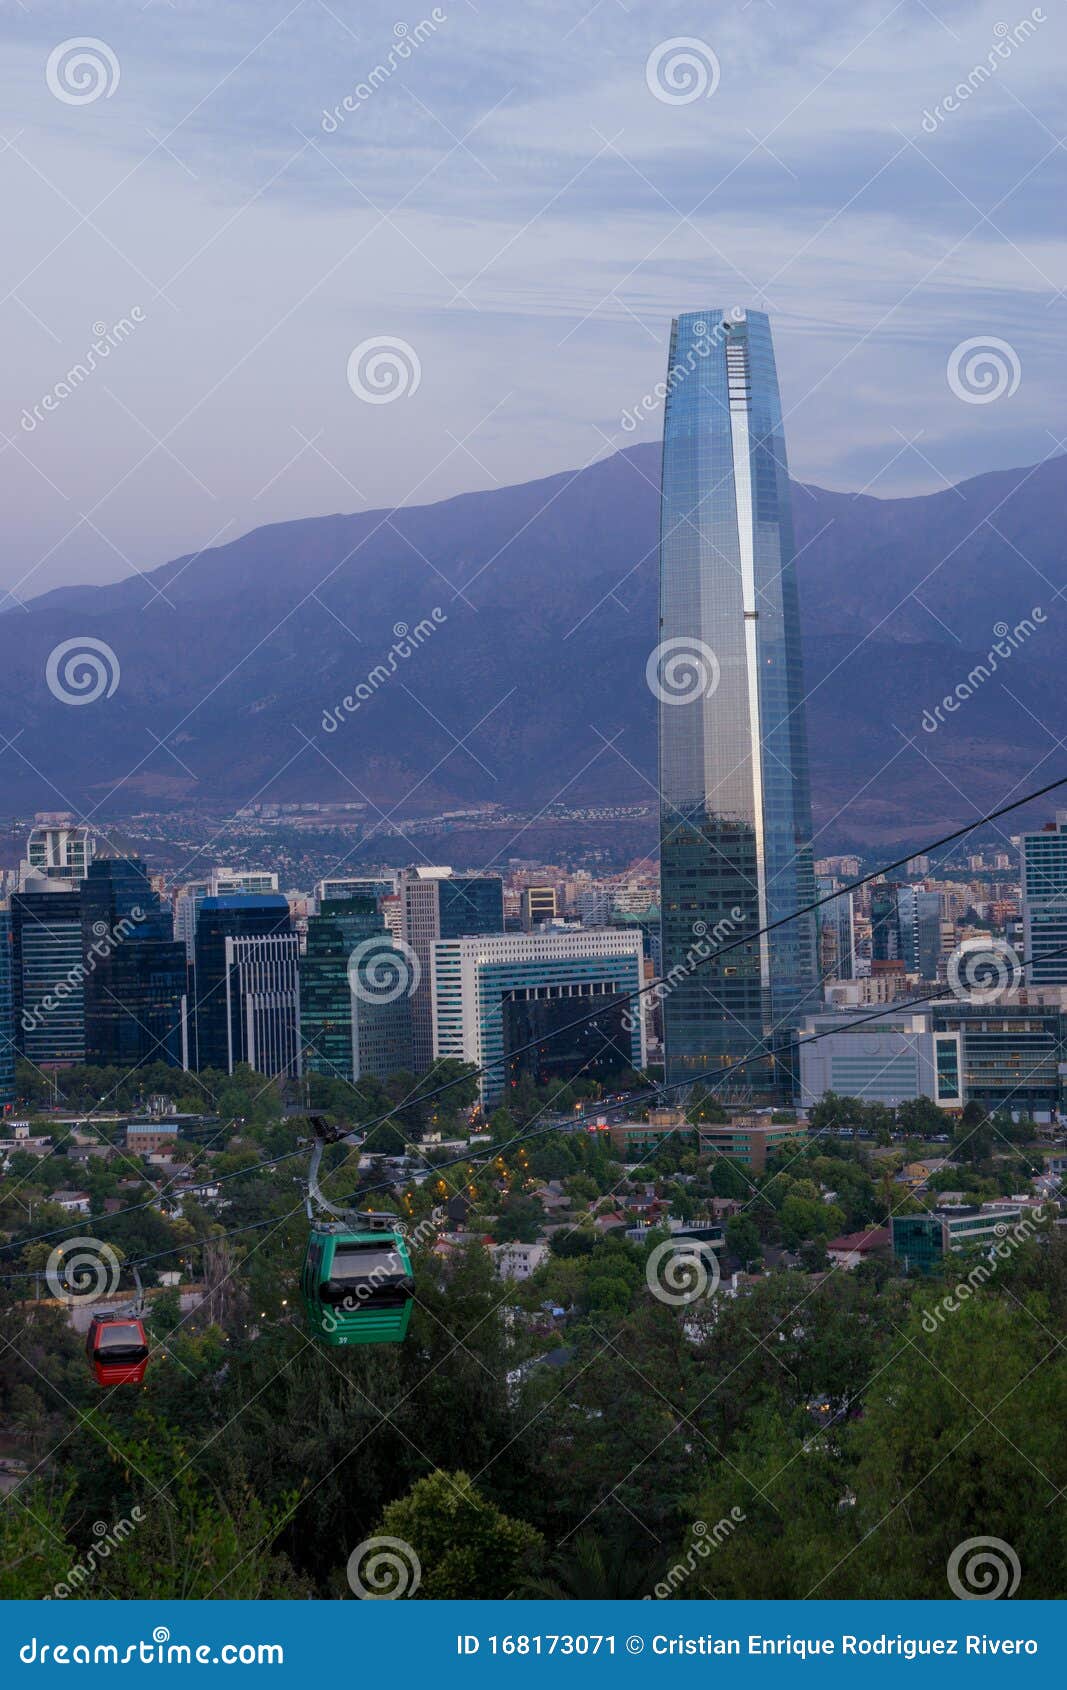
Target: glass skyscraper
{"x": 735, "y": 831}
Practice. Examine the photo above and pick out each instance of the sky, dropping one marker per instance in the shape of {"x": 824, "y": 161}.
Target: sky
{"x": 241, "y": 203}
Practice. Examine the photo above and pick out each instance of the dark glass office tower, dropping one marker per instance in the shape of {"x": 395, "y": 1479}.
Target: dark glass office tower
{"x": 48, "y": 971}
{"x": 353, "y": 1024}
{"x": 735, "y": 830}
{"x": 7, "y": 1013}
{"x": 221, "y": 1014}
{"x": 134, "y": 969}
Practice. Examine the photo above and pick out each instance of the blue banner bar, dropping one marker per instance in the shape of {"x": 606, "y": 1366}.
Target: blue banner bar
{"x": 490, "y": 1644}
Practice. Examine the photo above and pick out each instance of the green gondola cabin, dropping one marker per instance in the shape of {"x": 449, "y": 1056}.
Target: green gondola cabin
{"x": 357, "y": 1282}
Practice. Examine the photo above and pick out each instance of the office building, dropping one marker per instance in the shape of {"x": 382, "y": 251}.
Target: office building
{"x": 57, "y": 848}
{"x": 217, "y": 1028}
{"x": 1044, "y": 896}
{"x": 749, "y": 1141}
{"x": 354, "y": 1023}
{"x": 1013, "y": 1053}
{"x": 837, "y": 931}
{"x": 437, "y": 904}
{"x": 735, "y": 828}
{"x": 897, "y": 1057}
{"x": 135, "y": 972}
{"x": 220, "y": 882}
{"x": 921, "y": 1242}
{"x": 537, "y": 905}
{"x": 7, "y": 1014}
{"x": 355, "y": 886}
{"x": 263, "y": 1003}
{"x": 492, "y": 995}
{"x": 48, "y": 971}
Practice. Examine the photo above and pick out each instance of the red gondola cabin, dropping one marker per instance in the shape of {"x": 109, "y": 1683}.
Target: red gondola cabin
{"x": 117, "y": 1349}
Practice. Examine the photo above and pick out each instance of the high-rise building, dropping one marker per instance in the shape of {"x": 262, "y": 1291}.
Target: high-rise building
{"x": 263, "y": 1003}
{"x": 7, "y": 1014}
{"x": 48, "y": 971}
{"x": 218, "y": 1032}
{"x": 735, "y": 833}
{"x": 355, "y": 886}
{"x": 437, "y": 904}
{"x": 135, "y": 973}
{"x": 538, "y": 905}
{"x": 837, "y": 931}
{"x": 491, "y": 995}
{"x": 221, "y": 881}
{"x": 57, "y": 847}
{"x": 355, "y": 1010}
{"x": 1044, "y": 886}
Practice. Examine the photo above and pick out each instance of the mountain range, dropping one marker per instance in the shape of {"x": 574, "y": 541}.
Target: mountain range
{"x": 495, "y": 646}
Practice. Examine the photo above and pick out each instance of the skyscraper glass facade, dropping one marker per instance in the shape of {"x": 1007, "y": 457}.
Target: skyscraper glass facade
{"x": 134, "y": 969}
{"x": 735, "y": 829}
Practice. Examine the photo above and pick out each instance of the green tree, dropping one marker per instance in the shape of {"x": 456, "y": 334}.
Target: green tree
{"x": 466, "y": 1547}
